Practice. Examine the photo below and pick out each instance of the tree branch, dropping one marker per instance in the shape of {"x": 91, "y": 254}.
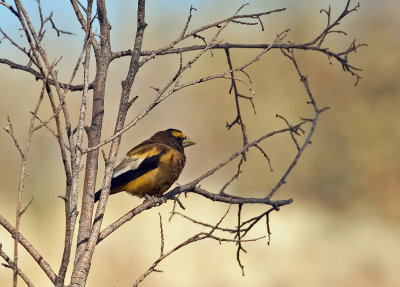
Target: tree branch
{"x": 13, "y": 266}
{"x": 29, "y": 247}
{"x": 195, "y": 238}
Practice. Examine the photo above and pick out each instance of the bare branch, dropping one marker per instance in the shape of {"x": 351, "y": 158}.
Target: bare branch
{"x": 188, "y": 21}
{"x": 46, "y": 125}
{"x": 23, "y": 174}
{"x": 203, "y": 223}
{"x": 59, "y": 31}
{"x": 240, "y": 247}
{"x": 71, "y": 202}
{"x": 26, "y": 207}
{"x": 235, "y": 176}
{"x": 317, "y": 111}
{"x": 268, "y": 228}
{"x": 39, "y": 76}
{"x": 314, "y": 44}
{"x": 266, "y": 156}
{"x": 85, "y": 252}
{"x": 10, "y": 8}
{"x": 161, "y": 236}
{"x": 13, "y": 266}
{"x": 217, "y": 24}
{"x": 239, "y": 119}
{"x": 29, "y": 247}
{"x": 163, "y": 93}
{"x": 188, "y": 188}
{"x": 9, "y": 129}
{"x": 292, "y": 133}
{"x": 196, "y": 237}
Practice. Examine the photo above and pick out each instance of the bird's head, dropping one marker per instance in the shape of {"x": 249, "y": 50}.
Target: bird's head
{"x": 174, "y": 138}
{"x": 181, "y": 137}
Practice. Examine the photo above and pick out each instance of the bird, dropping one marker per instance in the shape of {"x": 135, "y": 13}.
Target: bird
{"x": 150, "y": 168}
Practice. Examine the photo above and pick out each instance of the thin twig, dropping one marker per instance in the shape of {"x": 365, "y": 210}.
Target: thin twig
{"x": 161, "y": 236}
{"x": 163, "y": 94}
{"x": 307, "y": 141}
{"x": 29, "y": 247}
{"x": 240, "y": 247}
{"x": 9, "y": 129}
{"x": 239, "y": 119}
{"x": 196, "y": 237}
{"x": 13, "y": 266}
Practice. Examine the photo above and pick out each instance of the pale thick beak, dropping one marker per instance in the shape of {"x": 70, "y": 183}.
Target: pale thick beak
{"x": 187, "y": 142}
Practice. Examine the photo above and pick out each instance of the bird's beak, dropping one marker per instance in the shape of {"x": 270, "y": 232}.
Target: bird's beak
{"x": 187, "y": 142}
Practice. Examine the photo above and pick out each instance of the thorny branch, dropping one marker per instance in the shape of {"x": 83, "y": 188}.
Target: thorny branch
{"x": 71, "y": 139}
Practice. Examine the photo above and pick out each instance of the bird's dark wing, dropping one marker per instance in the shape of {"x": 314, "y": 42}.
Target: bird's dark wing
{"x": 148, "y": 164}
{"x": 137, "y": 163}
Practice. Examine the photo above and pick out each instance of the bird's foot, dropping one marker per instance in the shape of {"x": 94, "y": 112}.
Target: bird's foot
{"x": 149, "y": 198}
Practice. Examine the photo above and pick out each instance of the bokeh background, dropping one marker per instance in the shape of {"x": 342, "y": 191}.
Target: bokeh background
{"x": 343, "y": 226}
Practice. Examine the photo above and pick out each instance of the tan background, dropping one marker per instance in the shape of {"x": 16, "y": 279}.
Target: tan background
{"x": 341, "y": 230}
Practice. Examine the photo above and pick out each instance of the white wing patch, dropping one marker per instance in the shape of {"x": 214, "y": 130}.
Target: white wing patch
{"x": 126, "y": 165}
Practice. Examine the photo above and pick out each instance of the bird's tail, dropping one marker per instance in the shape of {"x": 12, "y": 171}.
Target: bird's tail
{"x": 97, "y": 196}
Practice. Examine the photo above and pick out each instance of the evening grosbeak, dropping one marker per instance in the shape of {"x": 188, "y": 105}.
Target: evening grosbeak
{"x": 151, "y": 167}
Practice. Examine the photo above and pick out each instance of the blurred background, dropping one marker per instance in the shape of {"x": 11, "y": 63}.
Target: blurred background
{"x": 342, "y": 228}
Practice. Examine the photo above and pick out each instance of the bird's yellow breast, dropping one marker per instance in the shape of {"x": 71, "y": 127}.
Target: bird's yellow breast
{"x": 158, "y": 180}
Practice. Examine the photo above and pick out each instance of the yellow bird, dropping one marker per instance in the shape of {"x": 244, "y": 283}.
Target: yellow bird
{"x": 151, "y": 167}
